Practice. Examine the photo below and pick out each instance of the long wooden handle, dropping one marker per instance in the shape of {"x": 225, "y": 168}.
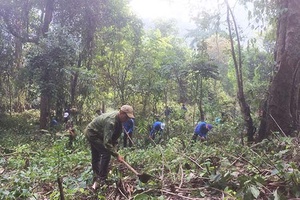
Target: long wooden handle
{"x": 129, "y": 167}
{"x": 128, "y": 136}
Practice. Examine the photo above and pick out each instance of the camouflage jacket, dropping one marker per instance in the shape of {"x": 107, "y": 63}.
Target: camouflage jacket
{"x": 105, "y": 129}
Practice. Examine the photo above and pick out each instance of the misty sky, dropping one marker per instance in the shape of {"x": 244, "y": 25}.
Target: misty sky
{"x": 182, "y": 11}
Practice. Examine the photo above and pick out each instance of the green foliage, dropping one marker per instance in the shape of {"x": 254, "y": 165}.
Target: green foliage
{"x": 118, "y": 51}
{"x": 100, "y": 49}
{"x": 34, "y": 165}
{"x": 21, "y": 126}
{"x": 48, "y": 60}
{"x": 214, "y": 167}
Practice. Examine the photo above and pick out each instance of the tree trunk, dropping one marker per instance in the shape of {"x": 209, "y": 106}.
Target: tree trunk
{"x": 202, "y": 116}
{"x": 45, "y": 103}
{"x": 59, "y": 104}
{"x": 245, "y": 109}
{"x": 74, "y": 82}
{"x": 282, "y": 111}
{"x": 181, "y": 89}
{"x": 44, "y": 110}
{"x": 48, "y": 16}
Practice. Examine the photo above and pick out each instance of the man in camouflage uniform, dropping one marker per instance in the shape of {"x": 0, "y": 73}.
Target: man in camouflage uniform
{"x": 102, "y": 134}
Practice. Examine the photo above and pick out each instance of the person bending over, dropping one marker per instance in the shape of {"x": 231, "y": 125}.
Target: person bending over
{"x": 201, "y": 130}
{"x": 157, "y": 127}
{"x": 102, "y": 133}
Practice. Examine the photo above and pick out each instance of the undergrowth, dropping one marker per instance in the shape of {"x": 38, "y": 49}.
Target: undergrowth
{"x": 219, "y": 168}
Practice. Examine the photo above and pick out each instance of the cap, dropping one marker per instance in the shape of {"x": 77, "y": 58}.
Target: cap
{"x": 209, "y": 126}
{"x": 128, "y": 110}
{"x": 162, "y": 126}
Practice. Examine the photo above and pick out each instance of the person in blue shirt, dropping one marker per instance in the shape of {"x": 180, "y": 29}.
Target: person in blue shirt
{"x": 128, "y": 127}
{"x": 200, "y": 131}
{"x": 157, "y": 127}
{"x": 53, "y": 122}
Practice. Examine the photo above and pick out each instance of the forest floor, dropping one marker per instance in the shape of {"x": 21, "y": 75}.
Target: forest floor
{"x": 35, "y": 165}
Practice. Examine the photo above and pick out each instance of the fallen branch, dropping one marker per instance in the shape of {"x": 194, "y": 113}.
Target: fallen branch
{"x": 202, "y": 188}
{"x": 246, "y": 162}
{"x": 189, "y": 189}
{"x": 193, "y": 161}
{"x": 122, "y": 193}
{"x": 178, "y": 195}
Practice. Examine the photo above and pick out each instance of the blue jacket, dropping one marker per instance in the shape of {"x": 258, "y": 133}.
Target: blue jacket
{"x": 156, "y": 127}
{"x": 129, "y": 125}
{"x": 201, "y": 129}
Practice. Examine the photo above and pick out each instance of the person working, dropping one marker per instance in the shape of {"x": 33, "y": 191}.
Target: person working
{"x": 102, "y": 134}
{"x": 157, "y": 127}
{"x": 53, "y": 122}
{"x": 167, "y": 111}
{"x": 183, "y": 107}
{"x": 128, "y": 127}
{"x": 98, "y": 112}
{"x": 201, "y": 130}
{"x": 71, "y": 130}
{"x": 183, "y": 111}
{"x": 66, "y": 115}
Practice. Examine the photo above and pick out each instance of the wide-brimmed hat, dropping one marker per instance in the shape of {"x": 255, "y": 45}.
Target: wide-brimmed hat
{"x": 128, "y": 110}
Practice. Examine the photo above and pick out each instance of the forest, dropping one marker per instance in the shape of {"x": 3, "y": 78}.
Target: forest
{"x": 97, "y": 55}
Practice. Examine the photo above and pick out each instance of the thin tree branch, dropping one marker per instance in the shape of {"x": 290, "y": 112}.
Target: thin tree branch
{"x": 278, "y": 125}
{"x": 182, "y": 176}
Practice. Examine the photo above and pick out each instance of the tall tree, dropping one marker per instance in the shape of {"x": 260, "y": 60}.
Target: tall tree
{"x": 202, "y": 68}
{"x": 237, "y": 59}
{"x": 21, "y": 20}
{"x": 31, "y": 21}
{"x": 148, "y": 75}
{"x": 282, "y": 108}
{"x": 119, "y": 49}
{"x": 7, "y": 70}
